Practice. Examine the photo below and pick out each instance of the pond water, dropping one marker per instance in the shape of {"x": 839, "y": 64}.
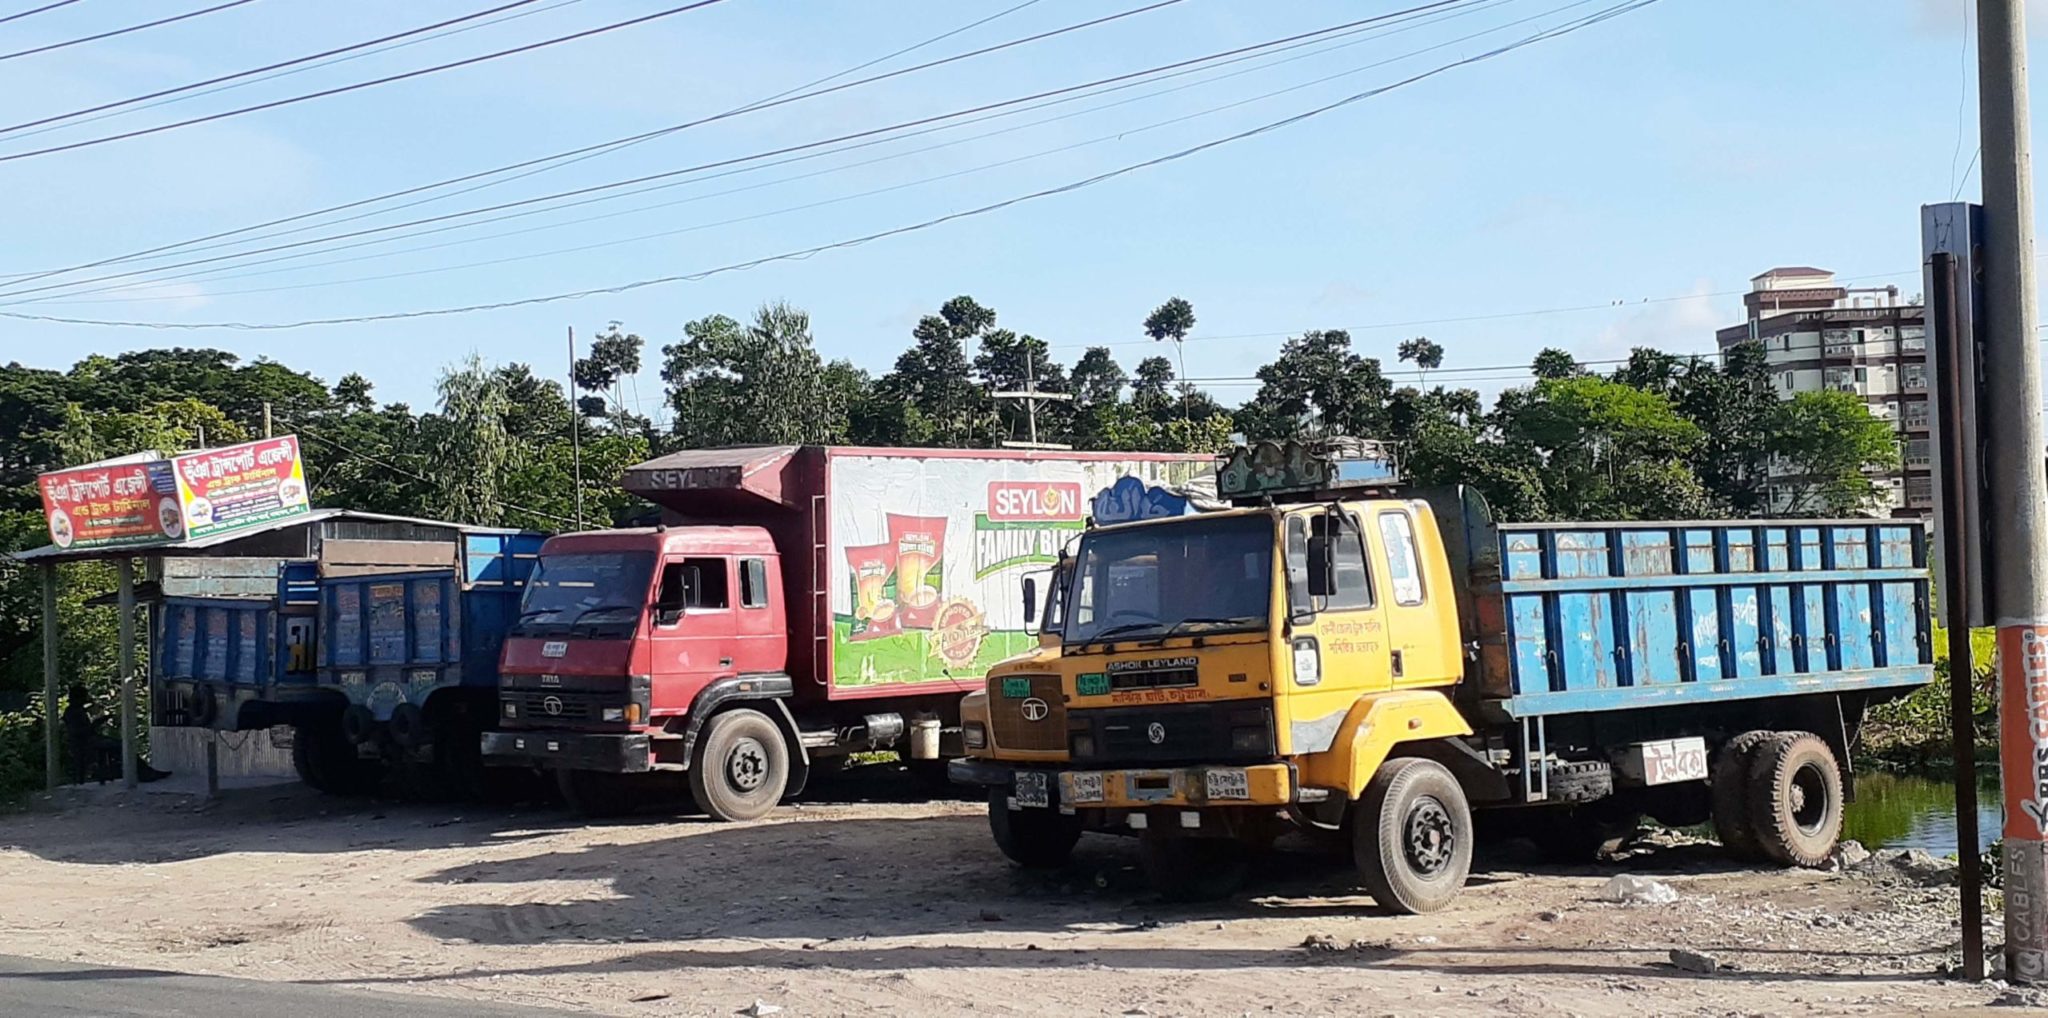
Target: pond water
{"x": 1904, "y": 811}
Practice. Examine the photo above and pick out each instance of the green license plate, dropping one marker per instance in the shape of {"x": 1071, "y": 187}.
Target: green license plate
{"x": 1092, "y": 684}
{"x": 1017, "y": 689}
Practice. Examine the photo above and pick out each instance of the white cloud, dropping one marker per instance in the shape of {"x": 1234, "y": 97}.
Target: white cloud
{"x": 1685, "y": 325}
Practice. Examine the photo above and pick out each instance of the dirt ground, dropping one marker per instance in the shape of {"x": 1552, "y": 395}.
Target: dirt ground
{"x": 870, "y": 903}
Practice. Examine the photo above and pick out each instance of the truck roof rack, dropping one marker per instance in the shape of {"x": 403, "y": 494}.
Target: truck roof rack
{"x": 1308, "y": 470}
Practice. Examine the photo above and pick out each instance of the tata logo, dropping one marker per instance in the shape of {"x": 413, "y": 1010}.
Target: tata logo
{"x": 550, "y": 680}
{"x": 554, "y": 648}
{"x": 552, "y": 704}
{"x": 1035, "y": 709}
{"x": 1155, "y": 733}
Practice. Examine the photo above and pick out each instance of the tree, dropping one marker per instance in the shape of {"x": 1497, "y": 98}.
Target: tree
{"x": 1426, "y": 354}
{"x": 1734, "y": 408}
{"x": 1317, "y": 386}
{"x": 1173, "y": 320}
{"x": 1823, "y": 444}
{"x": 930, "y": 399}
{"x": 614, "y": 358}
{"x": 1554, "y": 363}
{"x": 761, "y": 383}
{"x": 470, "y": 448}
{"x": 1012, "y": 363}
{"x": 1608, "y": 450}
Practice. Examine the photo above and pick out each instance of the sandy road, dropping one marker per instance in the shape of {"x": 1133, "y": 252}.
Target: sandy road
{"x": 895, "y": 907}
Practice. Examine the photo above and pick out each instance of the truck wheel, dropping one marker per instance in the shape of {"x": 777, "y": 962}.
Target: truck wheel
{"x": 1730, "y": 792}
{"x": 1579, "y": 780}
{"x": 598, "y": 795}
{"x": 1192, "y": 869}
{"x": 327, "y": 762}
{"x": 1038, "y": 839}
{"x": 1412, "y": 838}
{"x": 742, "y": 765}
{"x": 1795, "y": 799}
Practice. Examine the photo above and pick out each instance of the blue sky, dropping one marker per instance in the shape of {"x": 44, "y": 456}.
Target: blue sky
{"x": 1672, "y": 153}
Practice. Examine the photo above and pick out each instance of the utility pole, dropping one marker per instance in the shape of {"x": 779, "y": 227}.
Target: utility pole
{"x": 2017, "y": 509}
{"x": 575, "y": 430}
{"x": 266, "y": 419}
{"x": 1032, "y": 397}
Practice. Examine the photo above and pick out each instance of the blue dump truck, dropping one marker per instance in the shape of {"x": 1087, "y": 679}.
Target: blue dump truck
{"x": 1398, "y": 671}
{"x": 387, "y": 678}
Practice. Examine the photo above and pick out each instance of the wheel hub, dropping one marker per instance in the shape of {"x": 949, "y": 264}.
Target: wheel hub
{"x": 747, "y": 765}
{"x": 1429, "y": 839}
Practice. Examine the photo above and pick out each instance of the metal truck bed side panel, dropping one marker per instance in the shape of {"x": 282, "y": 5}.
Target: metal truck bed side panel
{"x": 234, "y": 642}
{"x": 397, "y": 637}
{"x": 1625, "y": 615}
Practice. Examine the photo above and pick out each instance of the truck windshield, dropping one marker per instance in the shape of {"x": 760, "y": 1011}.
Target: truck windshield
{"x": 585, "y": 591}
{"x": 1165, "y": 579}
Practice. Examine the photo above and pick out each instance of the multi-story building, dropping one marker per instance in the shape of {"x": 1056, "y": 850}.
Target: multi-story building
{"x": 1818, "y": 335}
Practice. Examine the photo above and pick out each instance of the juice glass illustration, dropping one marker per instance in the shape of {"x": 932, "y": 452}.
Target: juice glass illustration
{"x": 920, "y": 545}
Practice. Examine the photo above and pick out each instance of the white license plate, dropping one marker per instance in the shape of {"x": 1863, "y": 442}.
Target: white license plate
{"x": 1084, "y": 787}
{"x": 1228, "y": 785}
{"x": 1033, "y": 790}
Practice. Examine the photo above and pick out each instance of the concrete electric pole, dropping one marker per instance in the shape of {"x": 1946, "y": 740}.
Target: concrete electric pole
{"x": 2017, "y": 510}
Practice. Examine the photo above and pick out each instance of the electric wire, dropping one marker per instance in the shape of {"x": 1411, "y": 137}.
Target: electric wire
{"x": 33, "y": 50}
{"x": 1568, "y": 28}
{"x": 36, "y": 10}
{"x": 359, "y": 85}
{"x": 596, "y": 149}
{"x": 12, "y": 289}
{"x": 62, "y": 299}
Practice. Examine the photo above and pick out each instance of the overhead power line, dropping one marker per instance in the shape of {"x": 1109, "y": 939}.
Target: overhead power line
{"x": 357, "y": 86}
{"x": 1555, "y": 32}
{"x": 299, "y": 428}
{"x": 238, "y": 75}
{"x": 596, "y": 149}
{"x": 14, "y": 289}
{"x": 614, "y": 242}
{"x": 36, "y": 10}
{"x": 33, "y": 50}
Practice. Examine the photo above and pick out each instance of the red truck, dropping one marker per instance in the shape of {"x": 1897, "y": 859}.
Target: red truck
{"x": 797, "y": 603}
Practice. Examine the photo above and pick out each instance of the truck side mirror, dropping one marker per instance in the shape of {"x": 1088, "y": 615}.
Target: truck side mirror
{"x": 1030, "y": 601}
{"x": 1322, "y": 566}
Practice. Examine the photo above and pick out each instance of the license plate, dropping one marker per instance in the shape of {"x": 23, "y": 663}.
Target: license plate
{"x": 1084, "y": 787}
{"x": 1016, "y": 689}
{"x": 1033, "y": 790}
{"x": 1229, "y": 784}
{"x": 1092, "y": 684}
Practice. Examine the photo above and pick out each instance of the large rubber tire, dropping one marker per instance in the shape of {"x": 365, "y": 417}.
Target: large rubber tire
{"x": 1193, "y": 869}
{"x": 1412, "y": 838}
{"x": 1579, "y": 780}
{"x": 598, "y": 794}
{"x": 1730, "y": 793}
{"x": 327, "y": 762}
{"x": 1039, "y": 839}
{"x": 741, "y": 766}
{"x": 1795, "y": 799}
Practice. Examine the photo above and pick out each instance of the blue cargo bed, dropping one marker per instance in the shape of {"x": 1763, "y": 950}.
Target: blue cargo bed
{"x": 1614, "y": 616}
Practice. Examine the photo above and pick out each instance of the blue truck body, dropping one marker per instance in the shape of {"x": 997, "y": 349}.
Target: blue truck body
{"x": 394, "y": 639}
{"x": 239, "y": 651}
{"x": 1610, "y": 617}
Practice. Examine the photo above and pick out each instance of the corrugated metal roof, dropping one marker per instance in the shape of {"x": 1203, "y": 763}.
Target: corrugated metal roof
{"x": 52, "y": 553}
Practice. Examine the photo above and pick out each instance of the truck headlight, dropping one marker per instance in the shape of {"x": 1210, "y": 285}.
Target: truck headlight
{"x": 1308, "y": 663}
{"x": 511, "y": 709}
{"x": 973, "y": 735}
{"x": 614, "y": 714}
{"x": 1083, "y": 746}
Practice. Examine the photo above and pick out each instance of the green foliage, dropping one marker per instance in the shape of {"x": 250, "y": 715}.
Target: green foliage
{"x": 1172, "y": 320}
{"x": 1825, "y": 440}
{"x": 1318, "y": 386}
{"x": 733, "y": 384}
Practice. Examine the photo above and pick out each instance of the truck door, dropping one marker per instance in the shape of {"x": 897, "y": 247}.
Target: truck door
{"x": 1339, "y": 642}
{"x": 1421, "y": 624}
{"x": 761, "y": 642}
{"x": 691, "y": 634}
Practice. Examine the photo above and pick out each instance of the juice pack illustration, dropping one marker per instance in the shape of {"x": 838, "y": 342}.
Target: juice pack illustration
{"x": 875, "y": 613}
{"x": 919, "y": 543}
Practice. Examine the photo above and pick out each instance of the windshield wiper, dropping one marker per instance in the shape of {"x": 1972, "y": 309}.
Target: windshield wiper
{"x": 593, "y": 609}
{"x": 1128, "y": 627}
{"x": 1210, "y": 621}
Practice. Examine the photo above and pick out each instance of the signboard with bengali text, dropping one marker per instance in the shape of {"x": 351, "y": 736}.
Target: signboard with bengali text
{"x": 241, "y": 486}
{"x": 109, "y": 506}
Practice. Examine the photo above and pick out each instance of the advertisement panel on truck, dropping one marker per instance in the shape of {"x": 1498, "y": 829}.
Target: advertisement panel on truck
{"x": 928, "y": 551}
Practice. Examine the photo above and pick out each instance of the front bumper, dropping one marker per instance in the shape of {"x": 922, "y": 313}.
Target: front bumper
{"x": 622, "y": 753}
{"x": 1254, "y": 785}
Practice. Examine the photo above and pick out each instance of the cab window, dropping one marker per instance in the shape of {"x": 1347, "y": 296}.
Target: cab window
{"x": 1404, "y": 563}
{"x": 1354, "y": 583}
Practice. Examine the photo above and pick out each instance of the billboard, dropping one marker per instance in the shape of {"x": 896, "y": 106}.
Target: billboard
{"x": 239, "y": 486}
{"x": 111, "y": 505}
{"x": 928, "y": 552}
{"x": 163, "y": 501}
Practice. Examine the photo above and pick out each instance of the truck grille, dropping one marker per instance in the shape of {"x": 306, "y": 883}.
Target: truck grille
{"x": 1011, "y": 726}
{"x": 539, "y": 710}
{"x": 1186, "y": 734}
{"x": 1157, "y": 678}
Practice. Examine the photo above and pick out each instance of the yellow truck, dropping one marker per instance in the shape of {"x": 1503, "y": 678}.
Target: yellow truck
{"x": 1338, "y": 655}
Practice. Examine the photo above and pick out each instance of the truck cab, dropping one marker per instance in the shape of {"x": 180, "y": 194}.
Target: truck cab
{"x": 626, "y": 640}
